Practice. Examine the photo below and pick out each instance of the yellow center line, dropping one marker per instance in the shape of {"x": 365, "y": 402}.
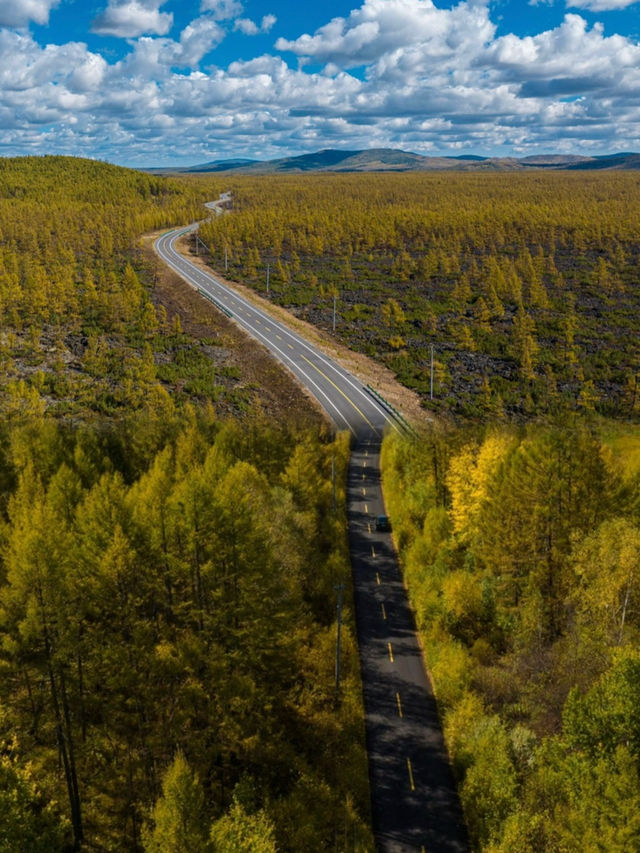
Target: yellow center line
{"x": 366, "y": 509}
{"x": 399, "y": 703}
{"x": 364, "y": 464}
{"x": 291, "y": 347}
{"x": 258, "y": 321}
{"x": 364, "y": 476}
{"x": 384, "y": 612}
{"x": 278, "y": 337}
{"x": 390, "y": 652}
{"x": 373, "y": 552}
{"x": 340, "y": 391}
{"x": 410, "y": 769}
{"x": 364, "y": 492}
{"x": 377, "y": 578}
{"x": 369, "y": 526}
{"x": 267, "y": 329}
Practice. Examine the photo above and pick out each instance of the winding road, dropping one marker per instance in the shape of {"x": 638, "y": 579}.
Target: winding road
{"x": 346, "y": 401}
{"x": 415, "y": 805}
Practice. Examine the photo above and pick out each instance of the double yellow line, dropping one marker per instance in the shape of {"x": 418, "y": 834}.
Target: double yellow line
{"x": 340, "y": 391}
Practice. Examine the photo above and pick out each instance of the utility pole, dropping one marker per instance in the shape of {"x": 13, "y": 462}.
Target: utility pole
{"x": 431, "y": 393}
{"x": 199, "y": 243}
{"x": 267, "y": 278}
{"x": 339, "y": 588}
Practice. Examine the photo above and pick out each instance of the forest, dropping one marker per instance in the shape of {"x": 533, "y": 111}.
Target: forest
{"x": 168, "y": 556}
{"x": 524, "y": 284}
{"x": 521, "y": 549}
{"x": 517, "y": 512}
{"x": 169, "y": 550}
{"x": 79, "y": 333}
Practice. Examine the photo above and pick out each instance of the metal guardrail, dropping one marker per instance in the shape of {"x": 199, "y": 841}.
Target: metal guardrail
{"x": 404, "y": 423}
{"x": 218, "y": 305}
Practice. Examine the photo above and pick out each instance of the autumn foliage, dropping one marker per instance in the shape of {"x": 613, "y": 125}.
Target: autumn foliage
{"x": 521, "y": 551}
{"x": 526, "y": 284}
{"x": 167, "y": 603}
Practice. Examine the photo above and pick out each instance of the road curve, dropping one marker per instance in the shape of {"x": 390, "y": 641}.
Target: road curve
{"x": 346, "y": 401}
{"x": 415, "y": 805}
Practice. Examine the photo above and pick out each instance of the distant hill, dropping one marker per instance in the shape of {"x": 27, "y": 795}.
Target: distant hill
{"x": 222, "y": 165}
{"x": 611, "y": 161}
{"x": 395, "y": 160}
{"x": 212, "y": 166}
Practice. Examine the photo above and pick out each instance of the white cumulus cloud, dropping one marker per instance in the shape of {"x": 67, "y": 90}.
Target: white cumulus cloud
{"x": 222, "y": 10}
{"x": 250, "y": 28}
{"x": 568, "y": 60}
{"x": 131, "y": 18}
{"x": 429, "y": 79}
{"x": 196, "y": 40}
{"x": 88, "y": 74}
{"x": 379, "y": 27}
{"x": 18, "y": 13}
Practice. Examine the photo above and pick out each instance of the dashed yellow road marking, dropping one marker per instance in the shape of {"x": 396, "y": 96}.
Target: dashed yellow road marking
{"x": 410, "y": 769}
{"x": 390, "y": 650}
{"x": 279, "y": 337}
{"x": 369, "y": 526}
{"x": 366, "y": 509}
{"x": 377, "y": 578}
{"x": 373, "y": 552}
{"x": 364, "y": 476}
{"x": 384, "y": 612}
{"x": 258, "y": 321}
{"x": 364, "y": 492}
{"x": 399, "y": 704}
{"x": 291, "y": 347}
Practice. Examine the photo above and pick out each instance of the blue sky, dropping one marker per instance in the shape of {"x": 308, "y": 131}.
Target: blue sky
{"x": 146, "y": 82}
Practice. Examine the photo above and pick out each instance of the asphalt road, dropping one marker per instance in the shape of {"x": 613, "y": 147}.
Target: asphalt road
{"x": 343, "y": 397}
{"x": 415, "y": 805}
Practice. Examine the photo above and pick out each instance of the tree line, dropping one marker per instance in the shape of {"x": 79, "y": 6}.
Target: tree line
{"x": 525, "y": 283}
{"x": 521, "y": 550}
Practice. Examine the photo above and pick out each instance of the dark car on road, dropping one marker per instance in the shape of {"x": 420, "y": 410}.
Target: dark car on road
{"x": 383, "y": 523}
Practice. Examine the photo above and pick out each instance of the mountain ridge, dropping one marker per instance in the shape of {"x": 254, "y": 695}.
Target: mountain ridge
{"x": 397, "y": 160}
